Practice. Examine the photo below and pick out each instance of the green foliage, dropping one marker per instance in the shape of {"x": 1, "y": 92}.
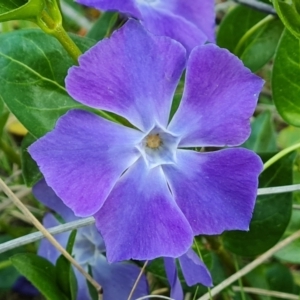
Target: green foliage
{"x": 33, "y": 67}
{"x": 103, "y": 26}
{"x": 254, "y": 41}
{"x": 8, "y": 273}
{"x": 41, "y": 273}
{"x": 30, "y": 170}
{"x": 263, "y": 135}
{"x": 20, "y": 9}
{"x": 290, "y": 15}
{"x": 271, "y": 214}
{"x": 65, "y": 275}
{"x": 286, "y": 79}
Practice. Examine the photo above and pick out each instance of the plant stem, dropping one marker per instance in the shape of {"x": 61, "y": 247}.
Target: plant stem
{"x": 46, "y": 233}
{"x": 48, "y": 25}
{"x": 280, "y": 154}
{"x": 251, "y": 31}
{"x": 5, "y": 264}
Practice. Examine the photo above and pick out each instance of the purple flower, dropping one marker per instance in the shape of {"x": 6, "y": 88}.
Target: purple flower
{"x": 116, "y": 279}
{"x": 193, "y": 269}
{"x": 149, "y": 191}
{"x": 191, "y": 22}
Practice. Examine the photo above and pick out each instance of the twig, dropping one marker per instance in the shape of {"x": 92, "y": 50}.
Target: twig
{"x": 33, "y": 237}
{"x": 248, "y": 268}
{"x": 46, "y": 233}
{"x": 266, "y": 293}
{"x": 137, "y": 280}
{"x": 278, "y": 189}
{"x": 36, "y": 236}
{"x": 260, "y": 6}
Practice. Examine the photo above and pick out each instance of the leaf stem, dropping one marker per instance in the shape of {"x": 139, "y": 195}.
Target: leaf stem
{"x": 251, "y": 31}
{"x": 46, "y": 233}
{"x": 280, "y": 154}
{"x": 48, "y": 25}
{"x": 5, "y": 264}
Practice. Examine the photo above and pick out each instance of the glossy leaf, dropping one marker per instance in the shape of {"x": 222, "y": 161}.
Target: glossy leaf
{"x": 65, "y": 275}
{"x": 30, "y": 170}
{"x": 263, "y": 135}
{"x": 235, "y": 24}
{"x": 259, "y": 47}
{"x": 289, "y": 16}
{"x": 40, "y": 272}
{"x": 290, "y": 253}
{"x": 271, "y": 214}
{"x": 286, "y": 79}
{"x": 20, "y": 9}
{"x": 33, "y": 66}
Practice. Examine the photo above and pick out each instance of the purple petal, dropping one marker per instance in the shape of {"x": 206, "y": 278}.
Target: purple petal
{"x": 127, "y": 7}
{"x": 164, "y": 23}
{"x": 43, "y": 193}
{"x": 219, "y": 98}
{"x": 83, "y": 158}
{"x": 140, "y": 219}
{"x": 216, "y": 191}
{"x": 200, "y": 12}
{"x": 25, "y": 287}
{"x": 46, "y": 249}
{"x": 172, "y": 275}
{"x": 194, "y": 270}
{"x": 118, "y": 279}
{"x": 133, "y": 74}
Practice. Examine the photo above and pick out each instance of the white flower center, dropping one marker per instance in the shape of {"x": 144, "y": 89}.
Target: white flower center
{"x": 159, "y": 147}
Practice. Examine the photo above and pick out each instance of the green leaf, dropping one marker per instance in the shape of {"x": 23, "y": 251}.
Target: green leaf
{"x": 280, "y": 279}
{"x": 235, "y": 24}
{"x": 263, "y": 135}
{"x": 290, "y": 253}
{"x": 3, "y": 116}
{"x": 289, "y": 16}
{"x": 20, "y": 9}
{"x": 257, "y": 48}
{"x": 40, "y": 272}
{"x": 65, "y": 275}
{"x": 288, "y": 136}
{"x": 33, "y": 67}
{"x": 30, "y": 170}
{"x": 285, "y": 78}
{"x": 92, "y": 290}
{"x": 8, "y": 274}
{"x": 271, "y": 214}
{"x": 103, "y": 26}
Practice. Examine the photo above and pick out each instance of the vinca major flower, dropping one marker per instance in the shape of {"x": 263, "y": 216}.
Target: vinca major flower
{"x": 148, "y": 188}
{"x": 116, "y": 279}
{"x": 191, "y": 22}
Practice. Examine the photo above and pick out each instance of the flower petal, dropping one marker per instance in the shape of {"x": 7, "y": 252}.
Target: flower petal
{"x": 172, "y": 275}
{"x": 83, "y": 158}
{"x": 140, "y": 219}
{"x": 219, "y": 98}
{"x": 194, "y": 270}
{"x": 163, "y": 23}
{"x": 118, "y": 279}
{"x": 216, "y": 191}
{"x": 201, "y": 13}
{"x": 133, "y": 74}
{"x": 127, "y": 7}
{"x": 43, "y": 193}
{"x": 46, "y": 249}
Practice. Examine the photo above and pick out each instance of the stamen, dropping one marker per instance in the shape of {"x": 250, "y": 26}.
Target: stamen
{"x": 153, "y": 141}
